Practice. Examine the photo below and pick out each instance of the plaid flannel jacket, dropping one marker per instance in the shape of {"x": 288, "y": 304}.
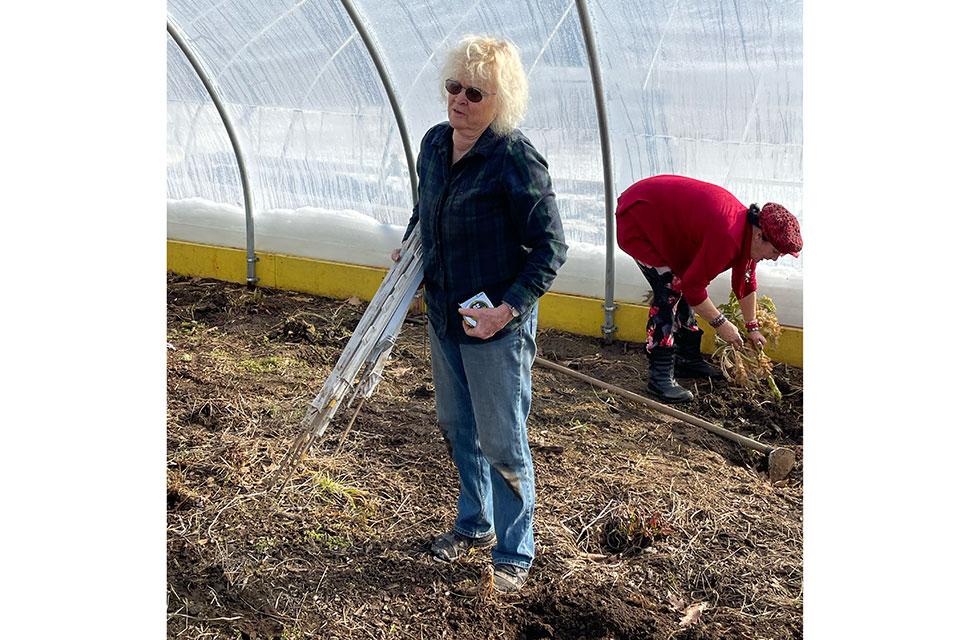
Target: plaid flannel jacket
{"x": 489, "y": 223}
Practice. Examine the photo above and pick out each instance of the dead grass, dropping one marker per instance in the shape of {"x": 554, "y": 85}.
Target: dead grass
{"x": 341, "y": 551}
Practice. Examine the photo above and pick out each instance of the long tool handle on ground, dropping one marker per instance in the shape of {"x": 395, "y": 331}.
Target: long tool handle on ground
{"x": 780, "y": 459}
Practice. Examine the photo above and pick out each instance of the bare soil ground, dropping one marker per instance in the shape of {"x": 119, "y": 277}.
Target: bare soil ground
{"x": 641, "y": 520}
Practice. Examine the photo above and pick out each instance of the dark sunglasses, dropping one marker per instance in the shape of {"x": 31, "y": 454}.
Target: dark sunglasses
{"x": 472, "y": 93}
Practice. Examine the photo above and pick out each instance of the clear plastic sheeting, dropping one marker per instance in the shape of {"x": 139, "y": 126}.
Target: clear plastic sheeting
{"x": 200, "y": 161}
{"x": 313, "y": 120}
{"x": 711, "y": 90}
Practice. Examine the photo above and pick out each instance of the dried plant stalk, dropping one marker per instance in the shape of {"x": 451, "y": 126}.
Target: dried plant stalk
{"x": 750, "y": 370}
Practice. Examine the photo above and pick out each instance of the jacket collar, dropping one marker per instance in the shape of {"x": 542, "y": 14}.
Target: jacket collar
{"x": 484, "y": 145}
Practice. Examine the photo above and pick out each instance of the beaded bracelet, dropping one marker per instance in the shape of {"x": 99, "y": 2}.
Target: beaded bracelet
{"x": 753, "y": 330}
{"x": 753, "y": 325}
{"x": 719, "y": 320}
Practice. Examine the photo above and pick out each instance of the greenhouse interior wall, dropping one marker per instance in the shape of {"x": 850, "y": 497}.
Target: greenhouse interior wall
{"x": 710, "y": 90}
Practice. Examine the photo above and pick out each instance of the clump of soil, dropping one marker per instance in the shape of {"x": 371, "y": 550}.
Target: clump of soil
{"x": 295, "y": 330}
{"x": 638, "y": 515}
{"x": 603, "y": 611}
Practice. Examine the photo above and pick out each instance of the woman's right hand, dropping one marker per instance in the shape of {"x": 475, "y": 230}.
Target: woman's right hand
{"x": 395, "y": 256}
{"x": 728, "y": 331}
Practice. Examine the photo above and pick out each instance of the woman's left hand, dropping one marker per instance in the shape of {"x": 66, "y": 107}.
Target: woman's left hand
{"x": 758, "y": 340}
{"x": 489, "y": 321}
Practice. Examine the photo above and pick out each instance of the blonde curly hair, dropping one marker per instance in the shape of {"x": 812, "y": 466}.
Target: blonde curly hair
{"x": 495, "y": 62}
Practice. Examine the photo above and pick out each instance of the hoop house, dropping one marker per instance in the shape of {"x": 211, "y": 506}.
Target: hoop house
{"x": 327, "y": 101}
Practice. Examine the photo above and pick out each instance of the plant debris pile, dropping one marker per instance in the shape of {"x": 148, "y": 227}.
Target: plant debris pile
{"x": 646, "y": 527}
{"x": 750, "y": 369}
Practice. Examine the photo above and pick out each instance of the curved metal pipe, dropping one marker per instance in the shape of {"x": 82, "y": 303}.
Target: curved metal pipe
{"x": 608, "y": 328}
{"x": 234, "y": 142}
{"x": 391, "y": 93}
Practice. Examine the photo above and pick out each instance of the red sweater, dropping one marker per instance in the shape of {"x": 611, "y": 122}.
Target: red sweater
{"x": 697, "y": 229}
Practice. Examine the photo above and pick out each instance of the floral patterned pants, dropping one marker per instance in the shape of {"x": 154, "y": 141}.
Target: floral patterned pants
{"x": 668, "y": 310}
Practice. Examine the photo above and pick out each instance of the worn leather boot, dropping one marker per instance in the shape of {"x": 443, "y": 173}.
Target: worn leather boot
{"x": 690, "y": 362}
{"x": 662, "y": 383}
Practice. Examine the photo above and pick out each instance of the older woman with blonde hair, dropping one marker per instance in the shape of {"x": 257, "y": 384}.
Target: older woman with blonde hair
{"x": 489, "y": 224}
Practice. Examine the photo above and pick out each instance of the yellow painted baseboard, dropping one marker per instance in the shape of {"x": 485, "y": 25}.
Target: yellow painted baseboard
{"x": 576, "y": 314}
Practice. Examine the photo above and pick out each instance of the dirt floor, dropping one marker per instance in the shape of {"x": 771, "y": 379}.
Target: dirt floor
{"x": 645, "y": 527}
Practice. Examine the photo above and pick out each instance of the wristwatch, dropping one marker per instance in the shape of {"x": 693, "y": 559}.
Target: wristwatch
{"x": 514, "y": 312}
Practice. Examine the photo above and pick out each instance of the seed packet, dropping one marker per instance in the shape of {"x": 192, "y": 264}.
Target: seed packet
{"x": 479, "y": 301}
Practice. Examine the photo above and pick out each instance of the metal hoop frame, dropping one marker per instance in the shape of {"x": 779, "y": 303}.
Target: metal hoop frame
{"x": 608, "y": 328}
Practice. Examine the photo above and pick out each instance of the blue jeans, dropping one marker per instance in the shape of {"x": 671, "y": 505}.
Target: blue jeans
{"x": 483, "y": 399}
